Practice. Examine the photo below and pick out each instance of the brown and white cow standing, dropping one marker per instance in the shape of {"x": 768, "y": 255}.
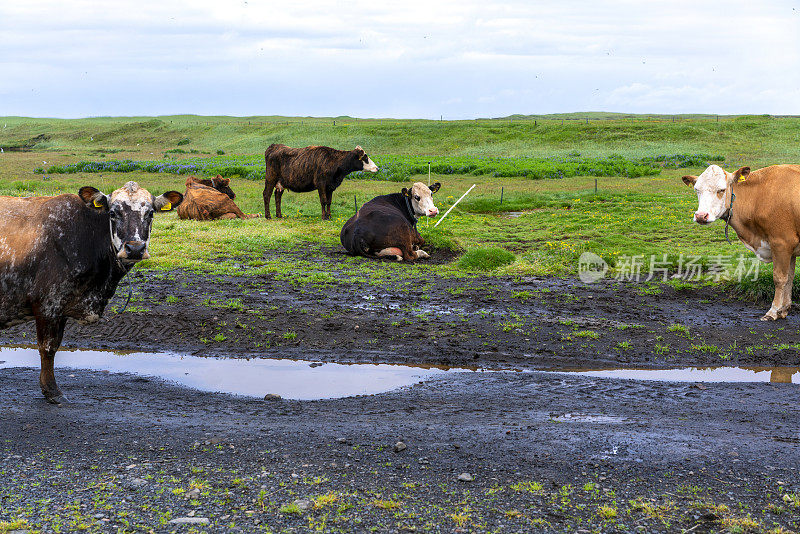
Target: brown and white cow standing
{"x": 386, "y": 226}
{"x": 62, "y": 257}
{"x": 305, "y": 169}
{"x": 764, "y": 210}
{"x": 210, "y": 199}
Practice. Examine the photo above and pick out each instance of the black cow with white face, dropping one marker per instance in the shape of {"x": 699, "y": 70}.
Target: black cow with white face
{"x": 386, "y": 226}
{"x": 62, "y": 257}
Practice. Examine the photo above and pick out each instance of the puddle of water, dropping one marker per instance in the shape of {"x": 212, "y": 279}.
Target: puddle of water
{"x": 787, "y": 375}
{"x": 291, "y": 379}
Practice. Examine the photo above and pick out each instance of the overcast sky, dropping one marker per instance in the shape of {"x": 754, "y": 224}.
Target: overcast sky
{"x": 459, "y": 59}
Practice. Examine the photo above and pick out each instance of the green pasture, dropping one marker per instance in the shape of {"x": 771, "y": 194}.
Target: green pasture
{"x": 546, "y": 223}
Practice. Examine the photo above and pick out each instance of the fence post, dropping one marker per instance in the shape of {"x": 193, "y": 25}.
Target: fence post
{"x": 355, "y": 203}
{"x": 501, "y": 195}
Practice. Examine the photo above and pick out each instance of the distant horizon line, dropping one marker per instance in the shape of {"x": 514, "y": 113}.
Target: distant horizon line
{"x": 572, "y": 115}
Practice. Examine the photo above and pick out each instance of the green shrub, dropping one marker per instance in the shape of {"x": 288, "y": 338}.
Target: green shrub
{"x": 184, "y": 141}
{"x": 485, "y": 259}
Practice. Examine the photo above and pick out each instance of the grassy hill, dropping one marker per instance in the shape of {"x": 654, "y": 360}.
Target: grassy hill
{"x": 755, "y": 140}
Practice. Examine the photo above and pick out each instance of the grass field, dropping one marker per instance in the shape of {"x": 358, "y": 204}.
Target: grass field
{"x": 546, "y": 223}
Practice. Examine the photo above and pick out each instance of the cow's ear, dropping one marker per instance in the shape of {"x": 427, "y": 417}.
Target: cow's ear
{"x": 435, "y": 187}
{"x": 741, "y": 174}
{"x": 689, "y": 180}
{"x": 168, "y": 201}
{"x": 93, "y": 198}
{"x": 222, "y": 181}
{"x": 406, "y": 192}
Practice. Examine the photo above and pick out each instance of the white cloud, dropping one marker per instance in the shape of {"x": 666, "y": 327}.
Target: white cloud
{"x": 420, "y": 58}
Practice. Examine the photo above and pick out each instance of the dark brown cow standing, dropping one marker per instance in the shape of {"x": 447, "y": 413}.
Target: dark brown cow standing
{"x": 62, "y": 257}
{"x": 305, "y": 169}
{"x": 209, "y": 199}
{"x": 386, "y": 226}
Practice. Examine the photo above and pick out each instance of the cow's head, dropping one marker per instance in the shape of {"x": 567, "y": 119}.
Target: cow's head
{"x": 218, "y": 182}
{"x": 713, "y": 191}
{"x": 130, "y": 212}
{"x": 421, "y": 197}
{"x": 223, "y": 185}
{"x": 369, "y": 165}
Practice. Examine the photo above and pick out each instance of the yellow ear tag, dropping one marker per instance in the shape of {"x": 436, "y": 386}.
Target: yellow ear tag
{"x": 167, "y": 206}
{"x": 97, "y": 204}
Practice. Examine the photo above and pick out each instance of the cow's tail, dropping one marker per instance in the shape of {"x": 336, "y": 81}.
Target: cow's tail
{"x": 358, "y": 245}
{"x": 362, "y": 247}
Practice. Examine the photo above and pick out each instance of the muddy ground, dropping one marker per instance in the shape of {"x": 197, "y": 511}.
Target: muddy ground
{"x": 545, "y": 452}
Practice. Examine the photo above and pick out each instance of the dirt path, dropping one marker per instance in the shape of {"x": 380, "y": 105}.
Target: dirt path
{"x": 546, "y": 451}
{"x": 663, "y": 456}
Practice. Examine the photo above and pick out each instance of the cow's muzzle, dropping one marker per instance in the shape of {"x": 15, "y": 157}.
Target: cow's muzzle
{"x": 701, "y": 217}
{"x": 134, "y": 251}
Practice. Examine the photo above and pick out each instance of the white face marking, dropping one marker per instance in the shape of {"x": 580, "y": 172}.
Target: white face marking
{"x": 710, "y": 188}
{"x": 422, "y": 201}
{"x": 370, "y": 165}
{"x": 131, "y": 210}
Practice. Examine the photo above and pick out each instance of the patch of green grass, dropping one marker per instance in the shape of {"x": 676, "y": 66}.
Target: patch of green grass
{"x": 485, "y": 259}
{"x": 291, "y": 509}
{"x": 679, "y": 329}
{"x": 607, "y": 512}
{"x": 527, "y": 486}
{"x": 591, "y": 334}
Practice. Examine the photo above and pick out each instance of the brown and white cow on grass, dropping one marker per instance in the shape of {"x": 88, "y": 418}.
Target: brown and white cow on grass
{"x": 62, "y": 257}
{"x": 386, "y": 226}
{"x": 764, "y": 210}
{"x": 210, "y": 199}
{"x": 305, "y": 169}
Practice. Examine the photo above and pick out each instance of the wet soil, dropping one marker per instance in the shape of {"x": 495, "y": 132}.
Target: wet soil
{"x": 426, "y": 319}
{"x": 545, "y": 452}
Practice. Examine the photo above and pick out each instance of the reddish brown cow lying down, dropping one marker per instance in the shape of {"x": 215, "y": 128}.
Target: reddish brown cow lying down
{"x": 207, "y": 200}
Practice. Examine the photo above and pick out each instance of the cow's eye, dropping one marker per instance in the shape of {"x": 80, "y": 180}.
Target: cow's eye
{"x": 416, "y": 197}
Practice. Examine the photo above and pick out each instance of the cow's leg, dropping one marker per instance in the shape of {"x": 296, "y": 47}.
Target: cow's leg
{"x": 409, "y": 254}
{"x": 782, "y": 261}
{"x": 323, "y": 201}
{"x": 787, "y": 289}
{"x": 227, "y": 216}
{"x": 267, "y": 195}
{"x": 391, "y": 252}
{"x": 270, "y": 184}
{"x": 278, "y": 196}
{"x": 328, "y": 203}
{"x": 49, "y": 333}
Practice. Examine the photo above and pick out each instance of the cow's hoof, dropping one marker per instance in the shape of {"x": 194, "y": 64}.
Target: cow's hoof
{"x": 770, "y": 316}
{"x": 55, "y": 398}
